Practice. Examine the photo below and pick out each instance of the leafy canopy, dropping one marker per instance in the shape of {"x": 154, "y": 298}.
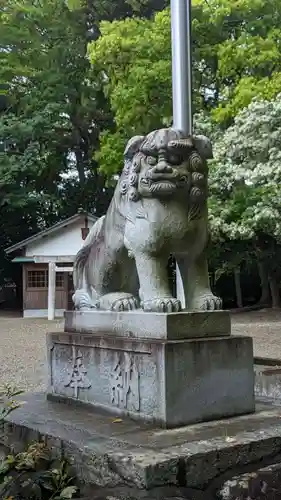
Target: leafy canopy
{"x": 236, "y": 56}
{"x": 245, "y": 176}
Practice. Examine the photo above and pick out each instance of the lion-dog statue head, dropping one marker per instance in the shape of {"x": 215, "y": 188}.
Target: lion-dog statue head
{"x": 165, "y": 162}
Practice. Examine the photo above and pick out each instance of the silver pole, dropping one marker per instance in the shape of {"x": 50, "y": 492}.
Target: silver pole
{"x": 181, "y": 64}
{"x": 182, "y": 83}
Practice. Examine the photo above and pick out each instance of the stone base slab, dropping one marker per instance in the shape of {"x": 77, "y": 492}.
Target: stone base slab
{"x": 139, "y": 324}
{"x": 170, "y": 383}
{"x": 109, "y": 453}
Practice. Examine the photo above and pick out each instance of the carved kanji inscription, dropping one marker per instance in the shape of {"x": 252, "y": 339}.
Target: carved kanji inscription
{"x": 77, "y": 377}
{"x": 124, "y": 379}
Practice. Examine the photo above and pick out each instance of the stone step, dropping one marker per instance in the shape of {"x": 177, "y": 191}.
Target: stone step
{"x": 111, "y": 452}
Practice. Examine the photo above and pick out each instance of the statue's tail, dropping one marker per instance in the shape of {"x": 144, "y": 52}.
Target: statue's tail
{"x": 82, "y": 296}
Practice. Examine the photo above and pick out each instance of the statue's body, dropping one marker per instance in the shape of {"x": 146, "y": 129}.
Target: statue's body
{"x": 159, "y": 208}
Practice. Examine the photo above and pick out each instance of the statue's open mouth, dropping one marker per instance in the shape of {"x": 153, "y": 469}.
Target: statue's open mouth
{"x": 164, "y": 183}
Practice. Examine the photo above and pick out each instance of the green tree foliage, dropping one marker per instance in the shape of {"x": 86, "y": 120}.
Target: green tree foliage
{"x": 53, "y": 106}
{"x": 236, "y": 56}
{"x": 249, "y": 62}
{"x": 52, "y": 110}
{"x": 246, "y": 173}
{"x": 245, "y": 177}
{"x": 55, "y": 113}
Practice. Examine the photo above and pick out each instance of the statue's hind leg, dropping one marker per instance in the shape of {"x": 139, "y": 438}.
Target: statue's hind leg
{"x": 114, "y": 301}
{"x": 118, "y": 290}
{"x": 84, "y": 300}
{"x": 195, "y": 276}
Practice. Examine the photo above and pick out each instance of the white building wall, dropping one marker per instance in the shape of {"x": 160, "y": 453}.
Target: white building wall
{"x": 66, "y": 241}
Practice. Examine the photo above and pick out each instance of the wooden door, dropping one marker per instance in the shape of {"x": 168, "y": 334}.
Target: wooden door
{"x": 70, "y": 292}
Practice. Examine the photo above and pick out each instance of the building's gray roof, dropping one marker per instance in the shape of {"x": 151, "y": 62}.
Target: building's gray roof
{"x": 49, "y": 230}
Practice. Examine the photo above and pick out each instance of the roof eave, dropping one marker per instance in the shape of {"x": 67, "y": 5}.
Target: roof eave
{"x": 22, "y": 244}
{"x": 22, "y": 260}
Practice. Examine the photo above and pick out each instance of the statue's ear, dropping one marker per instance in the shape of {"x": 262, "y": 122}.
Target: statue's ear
{"x": 133, "y": 146}
{"x": 203, "y": 146}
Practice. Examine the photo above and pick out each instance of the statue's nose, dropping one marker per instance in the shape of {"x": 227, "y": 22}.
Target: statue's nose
{"x": 163, "y": 167}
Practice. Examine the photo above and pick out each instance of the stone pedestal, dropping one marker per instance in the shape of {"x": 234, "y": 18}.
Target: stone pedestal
{"x": 170, "y": 369}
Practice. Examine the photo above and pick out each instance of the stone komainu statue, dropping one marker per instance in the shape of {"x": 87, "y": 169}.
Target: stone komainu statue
{"x": 159, "y": 208}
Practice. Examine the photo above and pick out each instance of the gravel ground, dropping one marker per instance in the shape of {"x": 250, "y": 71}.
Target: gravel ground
{"x": 23, "y": 351}
{"x": 22, "y": 344}
{"x": 265, "y": 328}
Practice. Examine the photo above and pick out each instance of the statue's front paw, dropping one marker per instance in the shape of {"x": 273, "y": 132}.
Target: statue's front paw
{"x": 125, "y": 304}
{"x": 165, "y": 304}
{"x": 207, "y": 302}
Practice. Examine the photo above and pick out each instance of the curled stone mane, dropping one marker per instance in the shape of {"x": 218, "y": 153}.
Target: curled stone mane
{"x": 129, "y": 178}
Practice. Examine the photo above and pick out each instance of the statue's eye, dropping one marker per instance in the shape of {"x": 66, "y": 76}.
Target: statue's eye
{"x": 175, "y": 160}
{"x": 151, "y": 160}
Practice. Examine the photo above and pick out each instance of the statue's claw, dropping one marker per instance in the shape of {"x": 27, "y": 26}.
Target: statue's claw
{"x": 127, "y": 304}
{"x": 207, "y": 302}
{"x": 165, "y": 304}
{"x": 118, "y": 301}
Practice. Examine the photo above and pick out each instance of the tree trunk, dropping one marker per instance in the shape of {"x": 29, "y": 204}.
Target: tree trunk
{"x": 265, "y": 293}
{"x": 237, "y": 280}
{"x": 80, "y": 167}
{"x": 274, "y": 290}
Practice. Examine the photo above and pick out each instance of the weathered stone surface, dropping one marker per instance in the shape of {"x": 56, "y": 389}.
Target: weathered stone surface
{"x": 110, "y": 453}
{"x": 268, "y": 382}
{"x": 171, "y": 383}
{"x": 134, "y": 496}
{"x": 128, "y": 493}
{"x": 137, "y": 324}
{"x": 263, "y": 484}
{"x": 159, "y": 208}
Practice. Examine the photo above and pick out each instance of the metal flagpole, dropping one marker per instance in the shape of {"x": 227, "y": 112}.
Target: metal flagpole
{"x": 182, "y": 80}
{"x": 181, "y": 64}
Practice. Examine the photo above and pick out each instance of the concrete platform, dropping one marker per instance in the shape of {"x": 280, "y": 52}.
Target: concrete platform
{"x": 140, "y": 324}
{"x": 110, "y": 452}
